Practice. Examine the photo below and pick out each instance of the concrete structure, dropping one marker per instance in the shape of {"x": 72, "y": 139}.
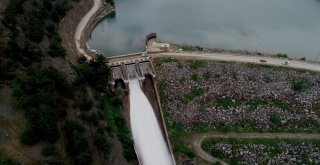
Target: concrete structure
{"x": 129, "y": 66}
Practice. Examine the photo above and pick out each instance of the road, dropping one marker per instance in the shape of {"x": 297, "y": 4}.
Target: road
{"x": 242, "y": 58}
{"x": 196, "y": 140}
{"x": 82, "y": 25}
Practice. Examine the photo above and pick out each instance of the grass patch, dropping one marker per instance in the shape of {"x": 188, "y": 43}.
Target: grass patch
{"x": 162, "y": 88}
{"x": 168, "y": 60}
{"x": 253, "y": 65}
{"x": 250, "y": 78}
{"x": 176, "y": 133}
{"x": 202, "y": 104}
{"x": 165, "y": 60}
{"x": 195, "y": 64}
{"x": 208, "y": 143}
{"x": 206, "y": 75}
{"x": 282, "y": 105}
{"x": 117, "y": 124}
{"x": 275, "y": 119}
{"x": 301, "y": 85}
{"x": 189, "y": 48}
{"x": 226, "y": 103}
{"x": 194, "y": 77}
{"x": 255, "y": 103}
{"x": 192, "y": 95}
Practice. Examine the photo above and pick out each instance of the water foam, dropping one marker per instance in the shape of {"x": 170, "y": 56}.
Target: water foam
{"x": 148, "y": 140}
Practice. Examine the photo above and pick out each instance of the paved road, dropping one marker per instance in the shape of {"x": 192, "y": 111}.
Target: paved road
{"x": 242, "y": 58}
{"x": 82, "y": 25}
{"x": 196, "y": 140}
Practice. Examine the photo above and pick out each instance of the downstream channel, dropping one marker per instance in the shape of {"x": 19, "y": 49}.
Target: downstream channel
{"x": 149, "y": 142}
{"x": 273, "y": 26}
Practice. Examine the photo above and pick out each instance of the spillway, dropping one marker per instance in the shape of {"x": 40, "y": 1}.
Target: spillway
{"x": 149, "y": 142}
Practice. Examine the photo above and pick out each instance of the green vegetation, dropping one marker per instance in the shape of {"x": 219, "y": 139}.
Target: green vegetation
{"x": 226, "y": 103}
{"x": 111, "y": 2}
{"x": 117, "y": 125}
{"x": 191, "y": 95}
{"x": 76, "y": 144}
{"x": 282, "y": 55}
{"x": 253, "y": 65}
{"x": 162, "y": 88}
{"x": 208, "y": 143}
{"x": 94, "y": 73}
{"x": 7, "y": 162}
{"x": 176, "y": 134}
{"x": 303, "y": 58}
{"x": 194, "y": 77}
{"x": 282, "y": 105}
{"x": 301, "y": 85}
{"x": 191, "y": 48}
{"x": 165, "y": 60}
{"x": 102, "y": 143}
{"x": 40, "y": 97}
{"x": 195, "y": 64}
{"x": 206, "y": 75}
{"x": 168, "y": 60}
{"x": 48, "y": 150}
{"x": 256, "y": 103}
{"x": 38, "y": 20}
{"x": 11, "y": 12}
{"x": 276, "y": 120}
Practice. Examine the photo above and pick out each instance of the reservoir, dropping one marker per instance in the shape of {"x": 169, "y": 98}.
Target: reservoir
{"x": 271, "y": 26}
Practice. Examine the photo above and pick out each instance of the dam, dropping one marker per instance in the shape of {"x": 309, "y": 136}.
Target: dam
{"x": 144, "y": 116}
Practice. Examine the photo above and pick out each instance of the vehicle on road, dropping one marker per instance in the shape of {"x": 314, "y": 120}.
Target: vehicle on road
{"x": 285, "y": 63}
{"x": 262, "y": 60}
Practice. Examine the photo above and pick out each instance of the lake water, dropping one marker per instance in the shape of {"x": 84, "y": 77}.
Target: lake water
{"x": 273, "y": 26}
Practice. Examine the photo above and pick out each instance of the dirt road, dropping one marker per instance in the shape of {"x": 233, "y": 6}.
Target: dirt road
{"x": 242, "y": 58}
{"x": 196, "y": 140}
{"x": 82, "y": 25}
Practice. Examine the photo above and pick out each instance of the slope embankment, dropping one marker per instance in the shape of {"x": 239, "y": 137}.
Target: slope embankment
{"x": 75, "y": 28}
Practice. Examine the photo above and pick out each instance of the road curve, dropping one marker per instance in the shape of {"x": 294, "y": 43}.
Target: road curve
{"x": 82, "y": 25}
{"x": 242, "y": 58}
{"x": 196, "y": 140}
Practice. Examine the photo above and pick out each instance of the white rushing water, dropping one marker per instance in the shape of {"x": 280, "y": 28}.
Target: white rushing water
{"x": 148, "y": 140}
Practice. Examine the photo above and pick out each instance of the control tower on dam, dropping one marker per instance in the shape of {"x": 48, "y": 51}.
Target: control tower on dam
{"x": 138, "y": 67}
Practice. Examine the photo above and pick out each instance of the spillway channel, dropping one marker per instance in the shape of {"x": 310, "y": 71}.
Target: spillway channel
{"x": 149, "y": 142}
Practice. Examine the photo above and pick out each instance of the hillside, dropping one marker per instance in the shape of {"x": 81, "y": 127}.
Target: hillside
{"x": 51, "y": 111}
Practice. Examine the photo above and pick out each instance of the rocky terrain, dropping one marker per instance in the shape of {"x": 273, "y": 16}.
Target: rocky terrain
{"x": 267, "y": 153}
{"x": 239, "y": 96}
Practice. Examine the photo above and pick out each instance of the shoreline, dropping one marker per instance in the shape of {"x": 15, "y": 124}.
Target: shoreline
{"x": 75, "y": 28}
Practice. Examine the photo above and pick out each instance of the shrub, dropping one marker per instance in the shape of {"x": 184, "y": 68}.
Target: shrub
{"x": 14, "y": 7}
{"x": 48, "y": 150}
{"x": 191, "y": 95}
{"x": 56, "y": 49}
{"x": 194, "y": 77}
{"x": 275, "y": 119}
{"x": 301, "y": 85}
{"x": 226, "y": 103}
{"x": 29, "y": 137}
{"x": 85, "y": 104}
{"x": 282, "y": 55}
{"x": 206, "y": 75}
{"x": 196, "y": 64}
{"x": 76, "y": 144}
{"x": 282, "y": 105}
{"x": 8, "y": 162}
